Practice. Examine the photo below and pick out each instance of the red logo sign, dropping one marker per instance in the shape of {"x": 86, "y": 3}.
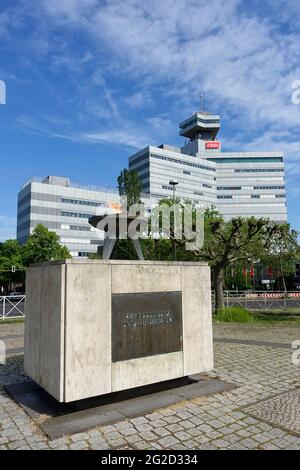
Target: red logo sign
{"x": 212, "y": 145}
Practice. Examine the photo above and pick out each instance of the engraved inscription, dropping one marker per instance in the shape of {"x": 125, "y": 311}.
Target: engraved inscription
{"x": 146, "y": 324}
{"x": 133, "y": 320}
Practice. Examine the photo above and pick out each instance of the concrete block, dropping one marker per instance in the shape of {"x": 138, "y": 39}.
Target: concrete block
{"x": 68, "y": 326}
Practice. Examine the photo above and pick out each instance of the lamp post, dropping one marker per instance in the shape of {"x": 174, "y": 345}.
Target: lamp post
{"x": 174, "y": 183}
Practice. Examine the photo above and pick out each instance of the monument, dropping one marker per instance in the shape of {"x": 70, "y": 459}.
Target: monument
{"x": 94, "y": 327}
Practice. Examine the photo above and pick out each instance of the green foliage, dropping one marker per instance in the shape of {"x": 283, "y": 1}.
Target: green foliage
{"x": 234, "y": 314}
{"x": 11, "y": 255}
{"x": 129, "y": 185}
{"x": 43, "y": 245}
{"x": 124, "y": 249}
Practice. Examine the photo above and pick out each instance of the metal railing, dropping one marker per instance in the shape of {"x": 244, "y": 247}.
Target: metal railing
{"x": 12, "y": 307}
{"x": 262, "y": 300}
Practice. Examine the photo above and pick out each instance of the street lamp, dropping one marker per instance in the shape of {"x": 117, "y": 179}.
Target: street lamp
{"x": 174, "y": 183}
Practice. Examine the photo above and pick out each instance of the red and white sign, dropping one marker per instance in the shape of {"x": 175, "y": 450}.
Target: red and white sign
{"x": 212, "y": 145}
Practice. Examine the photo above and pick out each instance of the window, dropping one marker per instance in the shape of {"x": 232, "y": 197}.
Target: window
{"x": 246, "y": 160}
{"x": 198, "y": 193}
{"x": 224, "y": 197}
{"x": 228, "y": 188}
{"x": 280, "y": 195}
{"x": 255, "y": 196}
{"x": 75, "y": 214}
{"x": 205, "y": 185}
{"x": 81, "y": 202}
{"x": 258, "y": 170}
{"x": 269, "y": 187}
{"x": 80, "y": 228}
{"x": 182, "y": 162}
{"x": 185, "y": 172}
{"x": 76, "y": 241}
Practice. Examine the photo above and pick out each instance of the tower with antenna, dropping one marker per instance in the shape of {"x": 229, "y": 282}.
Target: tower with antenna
{"x": 201, "y": 128}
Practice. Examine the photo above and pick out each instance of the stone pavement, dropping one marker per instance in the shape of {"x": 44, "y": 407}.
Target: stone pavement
{"x": 223, "y": 421}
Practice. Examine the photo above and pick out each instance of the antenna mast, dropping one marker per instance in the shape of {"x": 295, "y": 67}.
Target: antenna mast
{"x": 201, "y": 103}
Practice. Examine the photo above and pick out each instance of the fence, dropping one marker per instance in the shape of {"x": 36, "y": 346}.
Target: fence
{"x": 12, "y": 307}
{"x": 262, "y": 300}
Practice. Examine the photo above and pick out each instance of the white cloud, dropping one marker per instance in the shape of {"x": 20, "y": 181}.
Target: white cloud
{"x": 239, "y": 60}
{"x": 243, "y": 58}
{"x": 7, "y": 228}
{"x": 138, "y": 100}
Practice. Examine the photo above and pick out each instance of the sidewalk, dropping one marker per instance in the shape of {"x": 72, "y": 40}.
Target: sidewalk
{"x": 217, "y": 422}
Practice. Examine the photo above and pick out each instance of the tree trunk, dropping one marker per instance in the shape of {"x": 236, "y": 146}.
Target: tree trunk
{"x": 218, "y": 287}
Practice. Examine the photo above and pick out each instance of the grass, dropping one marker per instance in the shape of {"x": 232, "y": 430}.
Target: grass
{"x": 234, "y": 314}
{"x": 12, "y": 320}
{"x": 283, "y": 318}
{"x": 239, "y": 314}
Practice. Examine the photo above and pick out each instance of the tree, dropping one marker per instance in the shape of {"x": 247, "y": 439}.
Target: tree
{"x": 283, "y": 254}
{"x": 43, "y": 245}
{"x": 240, "y": 239}
{"x": 226, "y": 244}
{"x": 129, "y": 185}
{"x": 11, "y": 255}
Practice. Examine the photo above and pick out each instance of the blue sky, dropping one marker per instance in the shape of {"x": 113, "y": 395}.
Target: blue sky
{"x": 89, "y": 82}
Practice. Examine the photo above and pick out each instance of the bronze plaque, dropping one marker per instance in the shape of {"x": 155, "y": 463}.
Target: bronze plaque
{"x": 146, "y": 324}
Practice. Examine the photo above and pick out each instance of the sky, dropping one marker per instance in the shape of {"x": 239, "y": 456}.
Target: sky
{"x": 90, "y": 82}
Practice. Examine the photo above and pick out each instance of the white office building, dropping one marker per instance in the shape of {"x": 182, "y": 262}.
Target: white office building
{"x": 64, "y": 207}
{"x": 237, "y": 183}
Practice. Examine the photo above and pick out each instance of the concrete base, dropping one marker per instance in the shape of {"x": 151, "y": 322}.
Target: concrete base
{"x": 68, "y": 326}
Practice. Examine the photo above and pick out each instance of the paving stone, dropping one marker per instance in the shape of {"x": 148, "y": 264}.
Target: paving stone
{"x": 191, "y": 444}
{"x": 132, "y": 439}
{"x": 174, "y": 427}
{"x": 115, "y": 443}
{"x": 144, "y": 427}
{"x": 113, "y": 435}
{"x": 58, "y": 442}
{"x": 141, "y": 445}
{"x": 220, "y": 443}
{"x": 79, "y": 437}
{"x": 98, "y": 445}
{"x": 182, "y": 436}
{"x": 128, "y": 431}
{"x": 39, "y": 446}
{"x": 148, "y": 436}
{"x": 249, "y": 443}
{"x": 79, "y": 445}
{"x": 16, "y": 444}
{"x": 161, "y": 432}
{"x": 157, "y": 423}
{"x": 220, "y": 421}
{"x": 187, "y": 424}
{"x": 172, "y": 419}
{"x": 168, "y": 441}
{"x": 139, "y": 421}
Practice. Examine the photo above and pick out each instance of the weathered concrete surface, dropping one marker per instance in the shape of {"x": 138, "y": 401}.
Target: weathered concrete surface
{"x": 87, "y": 331}
{"x": 69, "y": 320}
{"x": 44, "y": 332}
